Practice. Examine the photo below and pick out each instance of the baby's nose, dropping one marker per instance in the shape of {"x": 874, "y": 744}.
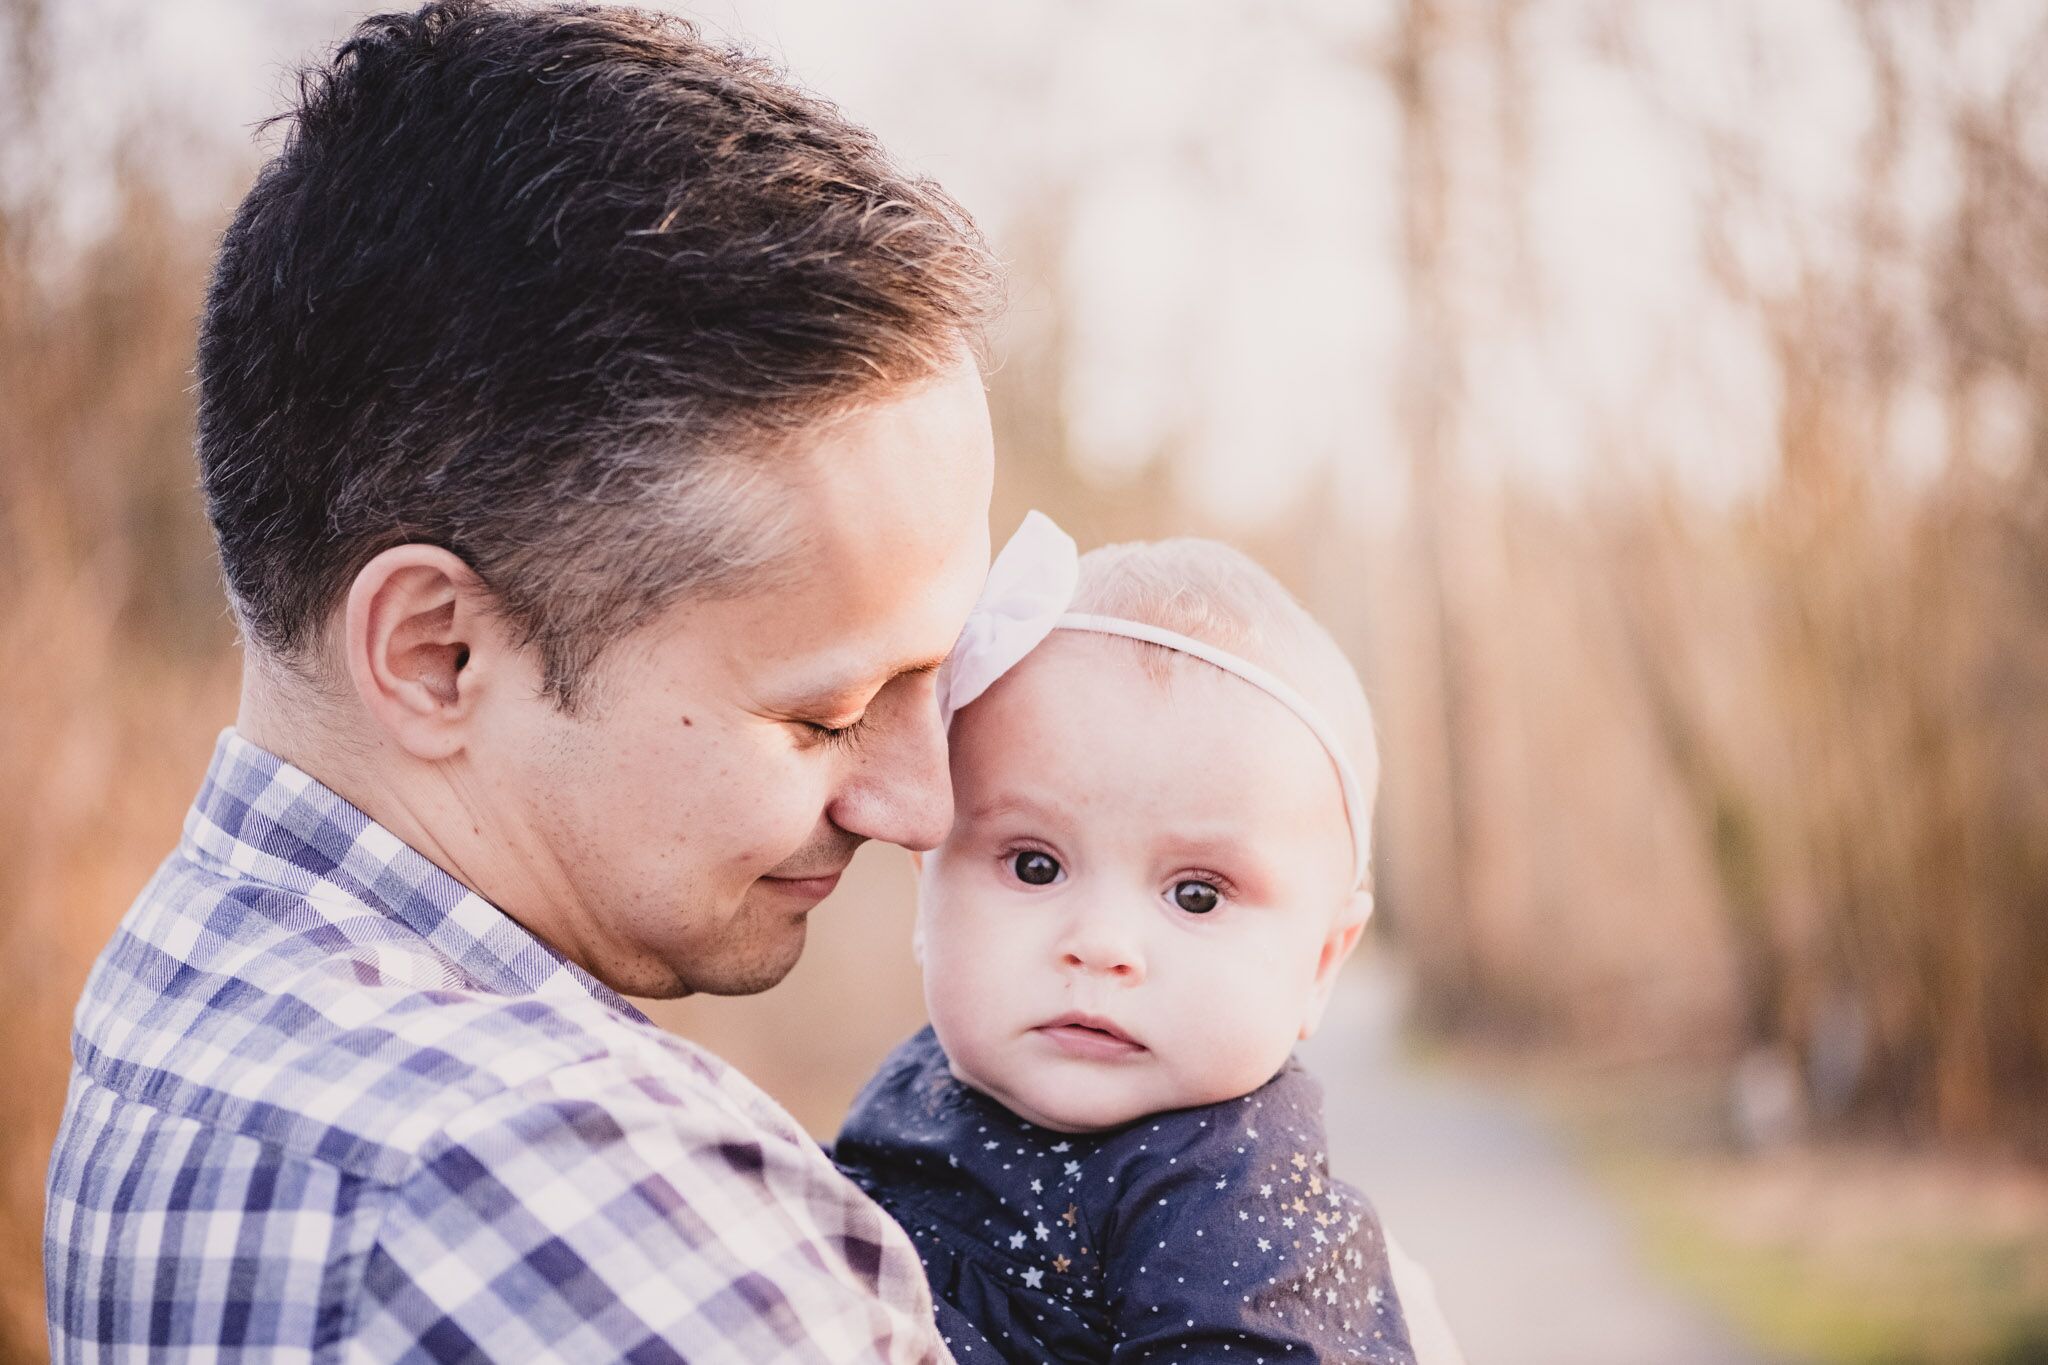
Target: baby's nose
{"x": 1113, "y": 965}
{"x": 1098, "y": 948}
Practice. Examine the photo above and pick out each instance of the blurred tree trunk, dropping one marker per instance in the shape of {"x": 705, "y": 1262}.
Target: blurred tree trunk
{"x": 1434, "y": 895}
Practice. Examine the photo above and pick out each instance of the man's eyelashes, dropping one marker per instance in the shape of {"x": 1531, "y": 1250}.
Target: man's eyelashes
{"x": 839, "y": 736}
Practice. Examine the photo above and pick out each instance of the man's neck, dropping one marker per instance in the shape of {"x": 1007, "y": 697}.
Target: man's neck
{"x": 431, "y": 807}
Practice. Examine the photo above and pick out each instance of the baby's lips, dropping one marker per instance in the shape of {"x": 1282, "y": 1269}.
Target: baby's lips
{"x": 1094, "y": 1023}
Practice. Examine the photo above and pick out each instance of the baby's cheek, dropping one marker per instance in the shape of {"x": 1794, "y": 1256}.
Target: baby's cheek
{"x": 1235, "y": 1041}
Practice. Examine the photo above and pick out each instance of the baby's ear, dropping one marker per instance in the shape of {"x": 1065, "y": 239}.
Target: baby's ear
{"x": 1341, "y": 942}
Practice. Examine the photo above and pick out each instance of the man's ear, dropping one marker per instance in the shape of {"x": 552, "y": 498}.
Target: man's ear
{"x": 418, "y": 644}
{"x": 1339, "y": 945}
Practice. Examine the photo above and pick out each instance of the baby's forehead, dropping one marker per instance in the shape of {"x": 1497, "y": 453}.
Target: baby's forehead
{"x": 1076, "y": 673}
{"x": 1103, "y": 716}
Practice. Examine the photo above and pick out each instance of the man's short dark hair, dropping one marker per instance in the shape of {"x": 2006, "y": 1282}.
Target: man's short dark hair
{"x": 540, "y": 285}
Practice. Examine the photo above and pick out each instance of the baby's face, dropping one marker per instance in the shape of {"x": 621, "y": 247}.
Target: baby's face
{"x": 1145, "y": 894}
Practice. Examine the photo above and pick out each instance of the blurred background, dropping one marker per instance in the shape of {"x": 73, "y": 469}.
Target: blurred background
{"x": 1653, "y": 396}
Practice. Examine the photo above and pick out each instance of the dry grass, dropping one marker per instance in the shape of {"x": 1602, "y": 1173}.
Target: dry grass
{"x": 1663, "y": 779}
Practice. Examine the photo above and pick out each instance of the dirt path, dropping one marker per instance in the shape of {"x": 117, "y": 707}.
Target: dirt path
{"x": 1532, "y": 1263}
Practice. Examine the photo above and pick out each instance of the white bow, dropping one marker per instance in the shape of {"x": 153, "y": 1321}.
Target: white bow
{"x": 1030, "y": 584}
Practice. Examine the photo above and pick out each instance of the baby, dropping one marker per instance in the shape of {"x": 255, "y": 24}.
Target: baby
{"x": 1162, "y": 772}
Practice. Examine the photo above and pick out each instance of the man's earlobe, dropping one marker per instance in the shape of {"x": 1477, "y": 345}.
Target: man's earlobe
{"x": 411, "y": 628}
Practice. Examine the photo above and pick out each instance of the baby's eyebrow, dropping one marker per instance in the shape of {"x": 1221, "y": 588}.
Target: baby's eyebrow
{"x": 1228, "y": 847}
{"x": 1009, "y": 803}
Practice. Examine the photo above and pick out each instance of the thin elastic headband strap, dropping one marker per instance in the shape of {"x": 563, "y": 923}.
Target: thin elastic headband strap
{"x": 1354, "y": 799}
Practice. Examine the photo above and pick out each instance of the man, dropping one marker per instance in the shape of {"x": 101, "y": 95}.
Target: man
{"x": 599, "y": 467}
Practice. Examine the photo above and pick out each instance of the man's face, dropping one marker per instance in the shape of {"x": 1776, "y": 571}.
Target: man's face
{"x": 678, "y": 835}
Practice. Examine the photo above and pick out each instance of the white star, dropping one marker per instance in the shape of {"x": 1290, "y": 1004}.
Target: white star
{"x": 1033, "y": 1277}
{"x": 1041, "y": 1232}
{"x": 990, "y": 1145}
{"x": 1266, "y": 1190}
{"x": 1329, "y": 1296}
{"x": 1062, "y": 1146}
{"x": 1265, "y": 1245}
{"x": 1221, "y": 1183}
{"x": 1016, "y": 1241}
{"x": 1320, "y": 1239}
{"x": 1073, "y": 1168}
{"x": 1286, "y": 1222}
{"x": 1038, "y": 1187}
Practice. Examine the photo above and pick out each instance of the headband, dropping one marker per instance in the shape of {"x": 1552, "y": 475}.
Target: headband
{"x": 1030, "y": 586}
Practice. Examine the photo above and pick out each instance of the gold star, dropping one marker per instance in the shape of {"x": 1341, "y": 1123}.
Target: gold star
{"x": 1298, "y": 1206}
{"x": 1315, "y": 1184}
{"x": 1300, "y": 1161}
{"x": 1060, "y": 1264}
{"x": 1071, "y": 1215}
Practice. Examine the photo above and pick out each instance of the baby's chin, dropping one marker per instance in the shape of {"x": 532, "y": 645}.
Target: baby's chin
{"x": 1065, "y": 1103}
{"x": 1067, "y": 1115}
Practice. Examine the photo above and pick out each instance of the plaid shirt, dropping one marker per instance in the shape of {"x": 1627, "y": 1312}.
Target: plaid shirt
{"x": 326, "y": 1103}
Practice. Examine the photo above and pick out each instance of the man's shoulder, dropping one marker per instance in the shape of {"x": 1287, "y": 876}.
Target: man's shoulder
{"x": 327, "y": 1029}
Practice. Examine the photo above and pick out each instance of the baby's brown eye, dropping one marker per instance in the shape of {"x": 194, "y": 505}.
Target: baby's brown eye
{"x": 1034, "y": 868}
{"x": 1197, "y": 898}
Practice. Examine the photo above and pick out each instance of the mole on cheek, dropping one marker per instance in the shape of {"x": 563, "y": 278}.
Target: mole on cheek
{"x": 688, "y": 721}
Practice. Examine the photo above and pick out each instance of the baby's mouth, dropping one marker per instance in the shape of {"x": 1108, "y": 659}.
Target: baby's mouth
{"x": 1088, "y": 1036}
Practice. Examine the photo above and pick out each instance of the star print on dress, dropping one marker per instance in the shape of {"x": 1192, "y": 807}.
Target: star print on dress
{"x": 1180, "y": 1241}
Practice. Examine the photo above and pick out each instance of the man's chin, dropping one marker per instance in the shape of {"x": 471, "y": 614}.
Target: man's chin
{"x": 749, "y": 972}
{"x": 762, "y": 939}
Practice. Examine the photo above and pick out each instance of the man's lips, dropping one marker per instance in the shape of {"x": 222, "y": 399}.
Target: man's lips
{"x": 809, "y": 888}
{"x": 1088, "y": 1036}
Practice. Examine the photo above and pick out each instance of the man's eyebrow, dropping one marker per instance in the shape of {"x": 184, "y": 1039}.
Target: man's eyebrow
{"x": 834, "y": 689}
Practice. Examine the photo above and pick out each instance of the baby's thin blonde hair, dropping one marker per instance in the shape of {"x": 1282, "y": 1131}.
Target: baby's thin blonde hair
{"x": 1222, "y": 597}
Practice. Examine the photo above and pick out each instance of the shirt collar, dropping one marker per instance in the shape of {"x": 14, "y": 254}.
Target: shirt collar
{"x": 259, "y": 818}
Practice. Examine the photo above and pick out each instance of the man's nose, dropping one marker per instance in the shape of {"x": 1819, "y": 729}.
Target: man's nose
{"x": 901, "y": 792}
{"x": 1104, "y": 941}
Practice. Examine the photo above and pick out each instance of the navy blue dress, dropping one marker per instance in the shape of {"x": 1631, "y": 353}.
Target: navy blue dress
{"x": 1206, "y": 1234}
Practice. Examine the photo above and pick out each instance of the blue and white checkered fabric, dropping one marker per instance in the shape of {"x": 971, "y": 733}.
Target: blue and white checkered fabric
{"x": 328, "y": 1104}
